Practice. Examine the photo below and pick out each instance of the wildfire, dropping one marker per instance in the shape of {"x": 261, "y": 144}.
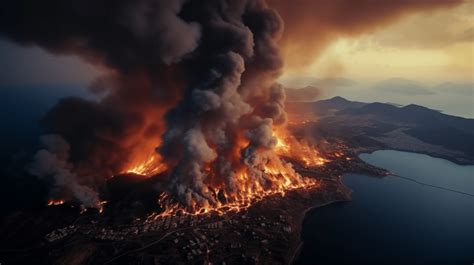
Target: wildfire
{"x": 55, "y": 202}
{"x": 101, "y": 206}
{"x": 288, "y": 146}
{"x": 280, "y": 178}
{"x": 148, "y": 167}
{"x": 234, "y": 202}
{"x": 275, "y": 179}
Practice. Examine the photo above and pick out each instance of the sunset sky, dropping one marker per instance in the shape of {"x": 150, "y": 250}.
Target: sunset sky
{"x": 431, "y": 46}
{"x": 429, "y": 41}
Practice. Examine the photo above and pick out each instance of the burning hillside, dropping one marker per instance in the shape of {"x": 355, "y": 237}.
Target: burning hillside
{"x": 277, "y": 177}
{"x": 189, "y": 93}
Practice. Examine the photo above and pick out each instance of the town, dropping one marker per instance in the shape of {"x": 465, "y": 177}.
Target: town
{"x": 267, "y": 232}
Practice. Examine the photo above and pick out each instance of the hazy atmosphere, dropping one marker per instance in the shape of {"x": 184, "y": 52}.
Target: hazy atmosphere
{"x": 237, "y": 132}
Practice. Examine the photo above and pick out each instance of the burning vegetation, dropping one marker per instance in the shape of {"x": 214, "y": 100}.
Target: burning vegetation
{"x": 278, "y": 177}
{"x": 189, "y": 92}
{"x": 55, "y": 202}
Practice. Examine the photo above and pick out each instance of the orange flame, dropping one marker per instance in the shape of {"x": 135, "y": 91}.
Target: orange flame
{"x": 276, "y": 178}
{"x": 101, "y": 206}
{"x": 55, "y": 202}
{"x": 149, "y": 167}
{"x": 144, "y": 160}
{"x": 280, "y": 177}
{"x": 288, "y": 146}
{"x": 232, "y": 202}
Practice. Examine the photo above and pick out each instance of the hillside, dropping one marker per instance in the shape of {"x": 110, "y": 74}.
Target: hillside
{"x": 372, "y": 126}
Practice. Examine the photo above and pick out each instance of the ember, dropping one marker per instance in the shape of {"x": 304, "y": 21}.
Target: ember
{"x": 55, "y": 202}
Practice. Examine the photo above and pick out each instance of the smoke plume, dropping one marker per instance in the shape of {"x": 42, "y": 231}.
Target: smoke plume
{"x": 52, "y": 161}
{"x": 193, "y": 79}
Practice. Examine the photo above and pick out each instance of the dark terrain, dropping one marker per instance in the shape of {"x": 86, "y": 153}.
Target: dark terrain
{"x": 266, "y": 233}
{"x": 366, "y": 127}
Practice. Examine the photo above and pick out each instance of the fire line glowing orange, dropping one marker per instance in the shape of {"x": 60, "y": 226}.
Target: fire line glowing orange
{"x": 280, "y": 178}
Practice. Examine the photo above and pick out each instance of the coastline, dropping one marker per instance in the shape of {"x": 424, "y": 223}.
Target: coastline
{"x": 312, "y": 254}
{"x": 461, "y": 161}
{"x": 296, "y": 241}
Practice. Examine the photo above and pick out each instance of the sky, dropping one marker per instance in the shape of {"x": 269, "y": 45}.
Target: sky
{"x": 30, "y": 65}
{"x": 432, "y": 43}
{"x": 430, "y": 46}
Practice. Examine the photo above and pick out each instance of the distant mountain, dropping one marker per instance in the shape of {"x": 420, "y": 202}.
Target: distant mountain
{"x": 402, "y": 86}
{"x": 373, "y": 126}
{"x": 312, "y": 92}
{"x": 322, "y": 107}
{"x": 456, "y": 88}
{"x": 374, "y": 108}
{"x": 427, "y": 125}
{"x": 308, "y": 93}
{"x": 323, "y": 83}
{"x": 414, "y": 114}
{"x": 337, "y": 103}
{"x": 334, "y": 82}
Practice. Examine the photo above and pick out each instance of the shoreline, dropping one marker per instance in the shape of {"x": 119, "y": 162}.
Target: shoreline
{"x": 312, "y": 254}
{"x": 297, "y": 242}
{"x": 452, "y": 159}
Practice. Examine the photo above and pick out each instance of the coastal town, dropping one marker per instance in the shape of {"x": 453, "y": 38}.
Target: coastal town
{"x": 194, "y": 238}
{"x": 268, "y": 232}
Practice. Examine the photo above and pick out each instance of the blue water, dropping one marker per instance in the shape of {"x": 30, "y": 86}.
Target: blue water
{"x": 394, "y": 220}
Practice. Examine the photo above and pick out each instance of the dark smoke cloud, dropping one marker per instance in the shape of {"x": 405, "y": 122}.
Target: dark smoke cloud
{"x": 139, "y": 43}
{"x": 234, "y": 93}
{"x": 310, "y": 25}
{"x": 122, "y": 34}
{"x": 210, "y": 65}
{"x": 207, "y": 67}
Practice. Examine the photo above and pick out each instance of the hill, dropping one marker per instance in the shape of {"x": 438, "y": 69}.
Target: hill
{"x": 373, "y": 126}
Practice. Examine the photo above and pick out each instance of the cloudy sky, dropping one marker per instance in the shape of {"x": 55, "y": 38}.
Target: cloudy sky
{"x": 432, "y": 45}
{"x": 425, "y": 40}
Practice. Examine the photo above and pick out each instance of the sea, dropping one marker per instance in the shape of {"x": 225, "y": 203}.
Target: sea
{"x": 424, "y": 214}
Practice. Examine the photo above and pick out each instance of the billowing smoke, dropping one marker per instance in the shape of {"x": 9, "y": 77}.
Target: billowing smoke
{"x": 232, "y": 100}
{"x": 52, "y": 161}
{"x": 194, "y": 79}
